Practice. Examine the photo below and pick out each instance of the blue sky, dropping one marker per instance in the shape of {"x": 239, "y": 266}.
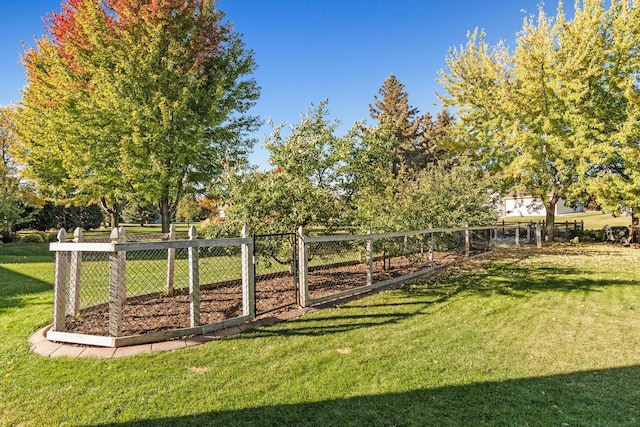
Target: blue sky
{"x": 308, "y": 51}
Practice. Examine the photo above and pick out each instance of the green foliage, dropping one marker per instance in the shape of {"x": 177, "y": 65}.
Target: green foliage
{"x": 140, "y": 213}
{"x": 413, "y": 141}
{"x": 13, "y": 193}
{"x": 311, "y": 184}
{"x": 131, "y": 99}
{"x": 32, "y": 238}
{"x": 448, "y": 197}
{"x": 549, "y": 114}
{"x": 52, "y": 216}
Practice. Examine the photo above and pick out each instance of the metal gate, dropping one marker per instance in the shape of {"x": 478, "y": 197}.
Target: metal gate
{"x": 276, "y": 271}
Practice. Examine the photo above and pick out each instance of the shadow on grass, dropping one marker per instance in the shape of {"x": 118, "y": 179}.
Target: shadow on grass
{"x": 427, "y": 296}
{"x": 17, "y": 290}
{"x": 595, "y": 398}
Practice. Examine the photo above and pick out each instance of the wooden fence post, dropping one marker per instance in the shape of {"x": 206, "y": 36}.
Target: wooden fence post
{"x": 75, "y": 276}
{"x": 303, "y": 268}
{"x": 538, "y": 234}
{"x": 529, "y": 234}
{"x": 171, "y": 261}
{"x": 517, "y": 234}
{"x": 194, "y": 279}
{"x": 117, "y": 283}
{"x": 369, "y": 259}
{"x": 467, "y": 241}
{"x": 60, "y": 286}
{"x": 248, "y": 279}
{"x": 431, "y": 245}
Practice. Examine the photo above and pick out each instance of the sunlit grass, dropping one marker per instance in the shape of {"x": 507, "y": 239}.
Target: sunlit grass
{"x": 531, "y": 337}
{"x": 592, "y": 220}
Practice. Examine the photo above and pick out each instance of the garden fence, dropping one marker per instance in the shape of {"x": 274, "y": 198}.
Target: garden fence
{"x": 128, "y": 290}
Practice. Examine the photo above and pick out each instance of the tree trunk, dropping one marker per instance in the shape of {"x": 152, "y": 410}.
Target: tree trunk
{"x": 165, "y": 215}
{"x": 550, "y": 206}
{"x": 114, "y": 212}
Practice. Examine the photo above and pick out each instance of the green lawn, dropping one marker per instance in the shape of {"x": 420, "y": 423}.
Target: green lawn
{"x": 533, "y": 338}
{"x": 592, "y": 220}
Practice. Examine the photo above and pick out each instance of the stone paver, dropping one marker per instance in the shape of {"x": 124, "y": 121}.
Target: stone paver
{"x": 46, "y": 348}
{"x": 132, "y": 350}
{"x": 67, "y": 351}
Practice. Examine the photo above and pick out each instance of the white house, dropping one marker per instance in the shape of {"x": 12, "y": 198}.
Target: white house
{"x": 523, "y": 204}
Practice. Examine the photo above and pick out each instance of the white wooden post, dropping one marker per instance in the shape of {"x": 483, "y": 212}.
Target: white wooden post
{"x": 194, "y": 279}
{"x": 538, "y": 234}
{"x": 517, "y": 235}
{"x": 467, "y": 241}
{"x": 74, "y": 279}
{"x": 60, "y": 284}
{"x": 303, "y": 268}
{"x": 171, "y": 261}
{"x": 117, "y": 283}
{"x": 369, "y": 259}
{"x": 248, "y": 279}
{"x": 529, "y": 234}
{"x": 431, "y": 245}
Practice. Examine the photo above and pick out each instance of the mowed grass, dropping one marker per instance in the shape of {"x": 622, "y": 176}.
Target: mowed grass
{"x": 592, "y": 220}
{"x": 526, "y": 338}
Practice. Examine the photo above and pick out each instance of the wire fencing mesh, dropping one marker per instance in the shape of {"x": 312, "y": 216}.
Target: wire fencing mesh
{"x": 157, "y": 279}
{"x": 157, "y": 296}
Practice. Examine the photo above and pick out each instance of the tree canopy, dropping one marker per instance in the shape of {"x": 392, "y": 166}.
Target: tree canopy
{"x": 135, "y": 99}
{"x": 549, "y": 114}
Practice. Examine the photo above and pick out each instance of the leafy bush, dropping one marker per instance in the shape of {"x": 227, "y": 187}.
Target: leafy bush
{"x": 32, "y": 238}
{"x": 589, "y": 235}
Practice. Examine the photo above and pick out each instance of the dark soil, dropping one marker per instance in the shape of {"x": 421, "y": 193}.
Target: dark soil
{"x": 156, "y": 313}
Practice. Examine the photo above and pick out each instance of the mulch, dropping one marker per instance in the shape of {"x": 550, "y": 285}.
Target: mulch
{"x": 157, "y": 313}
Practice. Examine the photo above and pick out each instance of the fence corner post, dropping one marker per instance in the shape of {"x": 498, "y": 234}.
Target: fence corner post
{"x": 75, "y": 276}
{"x": 467, "y": 240}
{"x": 60, "y": 286}
{"x": 117, "y": 282}
{"x": 194, "y": 278}
{"x": 248, "y": 276}
{"x": 303, "y": 268}
{"x": 369, "y": 259}
{"x": 171, "y": 261}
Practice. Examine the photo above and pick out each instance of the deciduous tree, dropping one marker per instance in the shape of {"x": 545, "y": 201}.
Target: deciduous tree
{"x": 548, "y": 113}
{"x": 129, "y": 98}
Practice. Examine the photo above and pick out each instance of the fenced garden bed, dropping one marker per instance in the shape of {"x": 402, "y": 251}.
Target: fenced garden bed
{"x": 119, "y": 292}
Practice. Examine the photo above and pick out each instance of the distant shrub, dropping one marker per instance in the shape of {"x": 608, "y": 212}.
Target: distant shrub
{"x": 32, "y": 238}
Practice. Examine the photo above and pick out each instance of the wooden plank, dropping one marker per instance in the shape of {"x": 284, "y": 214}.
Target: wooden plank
{"x": 71, "y": 338}
{"x": 248, "y": 279}
{"x": 60, "y": 294}
{"x": 80, "y": 247}
{"x": 156, "y": 336}
{"x": 194, "y": 281}
{"x": 225, "y": 324}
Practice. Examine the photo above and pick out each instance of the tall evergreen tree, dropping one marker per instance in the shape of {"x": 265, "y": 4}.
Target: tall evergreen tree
{"x": 397, "y": 123}
{"x": 413, "y": 141}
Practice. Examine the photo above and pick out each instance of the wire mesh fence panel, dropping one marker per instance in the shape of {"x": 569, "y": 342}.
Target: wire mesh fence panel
{"x": 336, "y": 266}
{"x": 220, "y": 283}
{"x": 94, "y": 280}
{"x": 397, "y": 256}
{"x": 146, "y": 272}
{"x": 275, "y": 266}
{"x": 480, "y": 241}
